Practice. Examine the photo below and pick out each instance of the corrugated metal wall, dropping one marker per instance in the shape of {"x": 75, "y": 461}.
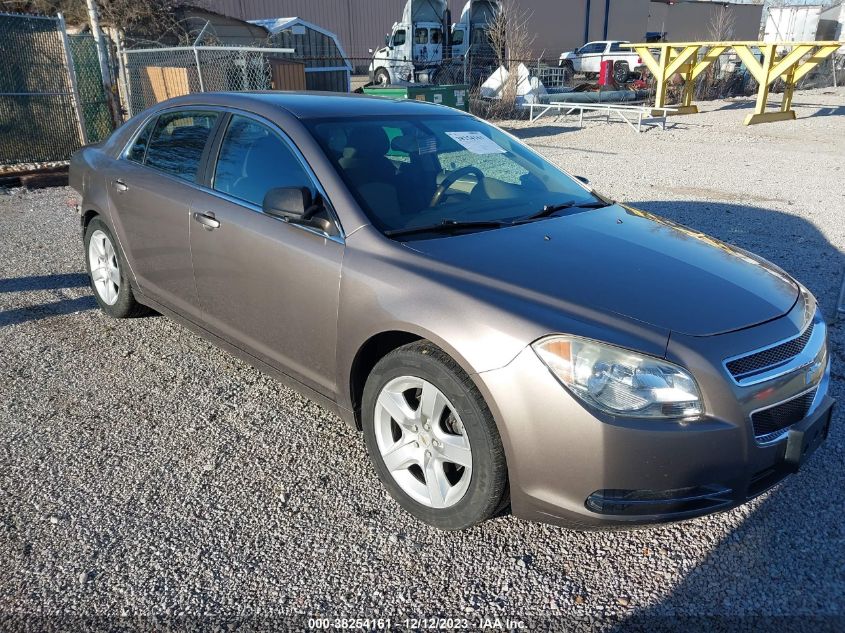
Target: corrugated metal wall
{"x": 692, "y": 21}
{"x": 362, "y": 24}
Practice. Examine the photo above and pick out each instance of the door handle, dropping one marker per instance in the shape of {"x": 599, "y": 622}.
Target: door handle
{"x": 120, "y": 186}
{"x": 206, "y": 220}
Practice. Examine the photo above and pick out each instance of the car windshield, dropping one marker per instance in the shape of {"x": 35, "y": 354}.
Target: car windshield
{"x": 410, "y": 172}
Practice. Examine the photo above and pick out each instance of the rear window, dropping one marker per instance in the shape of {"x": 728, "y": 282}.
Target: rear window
{"x": 177, "y": 143}
{"x": 139, "y": 147}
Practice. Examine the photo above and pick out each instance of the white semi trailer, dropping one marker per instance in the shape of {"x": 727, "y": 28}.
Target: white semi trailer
{"x": 792, "y": 24}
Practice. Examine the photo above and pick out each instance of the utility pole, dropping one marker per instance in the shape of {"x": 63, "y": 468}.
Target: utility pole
{"x": 102, "y": 56}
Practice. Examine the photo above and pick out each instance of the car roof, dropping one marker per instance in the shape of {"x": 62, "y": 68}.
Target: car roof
{"x": 315, "y": 105}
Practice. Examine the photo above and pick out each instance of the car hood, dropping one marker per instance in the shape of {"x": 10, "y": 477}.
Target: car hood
{"x": 628, "y": 262}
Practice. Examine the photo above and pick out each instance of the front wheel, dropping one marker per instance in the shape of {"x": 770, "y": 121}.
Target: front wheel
{"x": 382, "y": 77}
{"x": 107, "y": 270}
{"x": 432, "y": 439}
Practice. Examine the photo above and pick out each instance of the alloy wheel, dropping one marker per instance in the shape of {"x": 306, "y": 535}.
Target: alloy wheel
{"x": 105, "y": 270}
{"x": 422, "y": 442}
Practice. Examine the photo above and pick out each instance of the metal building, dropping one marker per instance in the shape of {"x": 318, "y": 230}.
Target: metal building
{"x": 558, "y": 25}
{"x": 319, "y": 50}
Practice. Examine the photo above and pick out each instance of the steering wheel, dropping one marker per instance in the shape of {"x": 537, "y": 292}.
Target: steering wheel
{"x": 451, "y": 179}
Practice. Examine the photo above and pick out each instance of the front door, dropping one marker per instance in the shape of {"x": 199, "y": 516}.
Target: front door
{"x": 266, "y": 285}
{"x": 150, "y": 193}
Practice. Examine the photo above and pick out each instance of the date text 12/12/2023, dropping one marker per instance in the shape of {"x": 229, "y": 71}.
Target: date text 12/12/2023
{"x": 413, "y": 623}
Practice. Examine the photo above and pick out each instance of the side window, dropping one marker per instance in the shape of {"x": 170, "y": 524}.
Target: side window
{"x": 616, "y": 47}
{"x": 458, "y": 37}
{"x": 420, "y": 36}
{"x": 139, "y": 147}
{"x": 253, "y": 160}
{"x": 435, "y": 36}
{"x": 399, "y": 38}
{"x": 597, "y": 47}
{"x": 177, "y": 143}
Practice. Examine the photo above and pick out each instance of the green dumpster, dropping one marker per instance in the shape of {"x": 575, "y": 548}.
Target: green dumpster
{"x": 453, "y": 95}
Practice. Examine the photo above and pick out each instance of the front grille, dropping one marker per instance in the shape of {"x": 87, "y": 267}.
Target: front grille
{"x": 769, "y": 423}
{"x": 769, "y": 358}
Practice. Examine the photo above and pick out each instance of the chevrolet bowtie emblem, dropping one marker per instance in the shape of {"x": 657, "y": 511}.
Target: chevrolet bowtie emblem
{"x": 810, "y": 374}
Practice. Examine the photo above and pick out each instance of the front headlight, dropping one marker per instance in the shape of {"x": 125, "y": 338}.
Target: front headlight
{"x": 619, "y": 381}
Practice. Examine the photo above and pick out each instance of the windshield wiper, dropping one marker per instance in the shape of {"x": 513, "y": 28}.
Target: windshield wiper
{"x": 446, "y": 226}
{"x": 551, "y": 209}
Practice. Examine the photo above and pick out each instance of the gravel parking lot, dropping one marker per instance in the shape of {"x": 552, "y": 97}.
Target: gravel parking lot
{"x": 143, "y": 471}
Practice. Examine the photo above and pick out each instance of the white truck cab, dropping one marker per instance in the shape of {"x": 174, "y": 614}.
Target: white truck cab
{"x": 414, "y": 46}
{"x": 470, "y": 30}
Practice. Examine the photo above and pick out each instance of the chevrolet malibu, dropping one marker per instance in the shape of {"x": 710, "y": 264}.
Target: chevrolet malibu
{"x": 502, "y": 335}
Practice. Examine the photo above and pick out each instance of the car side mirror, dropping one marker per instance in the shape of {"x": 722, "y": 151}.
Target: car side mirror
{"x": 298, "y": 206}
{"x": 288, "y": 203}
{"x": 583, "y": 179}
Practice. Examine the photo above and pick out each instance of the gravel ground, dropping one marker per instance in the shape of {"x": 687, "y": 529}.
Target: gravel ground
{"x": 145, "y": 472}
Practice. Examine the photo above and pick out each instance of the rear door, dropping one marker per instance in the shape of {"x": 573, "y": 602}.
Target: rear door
{"x": 591, "y": 55}
{"x": 150, "y": 193}
{"x": 268, "y": 286}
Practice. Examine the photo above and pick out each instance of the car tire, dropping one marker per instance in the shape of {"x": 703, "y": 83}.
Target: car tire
{"x": 382, "y": 77}
{"x": 621, "y": 72}
{"x": 567, "y": 72}
{"x": 465, "y": 492}
{"x": 107, "y": 271}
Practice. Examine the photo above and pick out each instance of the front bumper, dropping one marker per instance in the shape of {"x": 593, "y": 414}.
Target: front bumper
{"x": 573, "y": 466}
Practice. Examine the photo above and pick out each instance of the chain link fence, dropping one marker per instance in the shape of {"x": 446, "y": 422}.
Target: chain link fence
{"x": 52, "y": 99}
{"x": 155, "y": 74}
{"x": 38, "y": 116}
{"x": 93, "y": 101}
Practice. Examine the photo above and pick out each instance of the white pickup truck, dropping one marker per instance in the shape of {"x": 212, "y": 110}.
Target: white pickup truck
{"x": 589, "y": 57}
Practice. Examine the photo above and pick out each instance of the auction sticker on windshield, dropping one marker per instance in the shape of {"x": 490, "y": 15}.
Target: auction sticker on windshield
{"x": 476, "y": 142}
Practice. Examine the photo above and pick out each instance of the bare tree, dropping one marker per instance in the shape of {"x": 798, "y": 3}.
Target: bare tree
{"x": 146, "y": 20}
{"x": 511, "y": 40}
{"x": 722, "y": 24}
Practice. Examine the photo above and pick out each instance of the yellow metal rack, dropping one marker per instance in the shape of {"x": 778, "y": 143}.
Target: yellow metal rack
{"x": 690, "y": 59}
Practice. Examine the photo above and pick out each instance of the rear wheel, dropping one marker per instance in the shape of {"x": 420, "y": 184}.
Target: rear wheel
{"x": 107, "y": 271}
{"x": 621, "y": 72}
{"x": 432, "y": 439}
